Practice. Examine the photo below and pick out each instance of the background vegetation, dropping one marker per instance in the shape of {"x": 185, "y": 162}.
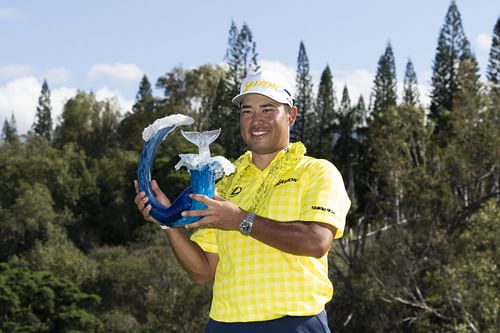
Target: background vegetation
{"x": 420, "y": 252}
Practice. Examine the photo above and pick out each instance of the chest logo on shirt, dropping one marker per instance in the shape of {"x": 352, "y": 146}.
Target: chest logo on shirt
{"x": 284, "y": 181}
{"x": 236, "y": 191}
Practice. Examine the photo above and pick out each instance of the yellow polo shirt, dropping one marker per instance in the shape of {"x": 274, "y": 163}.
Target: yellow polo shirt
{"x": 254, "y": 281}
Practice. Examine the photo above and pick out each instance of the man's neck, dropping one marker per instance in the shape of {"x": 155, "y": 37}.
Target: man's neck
{"x": 261, "y": 161}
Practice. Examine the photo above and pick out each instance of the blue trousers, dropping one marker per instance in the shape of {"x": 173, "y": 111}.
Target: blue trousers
{"x": 287, "y": 324}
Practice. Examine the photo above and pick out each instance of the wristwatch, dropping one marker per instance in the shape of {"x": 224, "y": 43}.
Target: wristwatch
{"x": 247, "y": 224}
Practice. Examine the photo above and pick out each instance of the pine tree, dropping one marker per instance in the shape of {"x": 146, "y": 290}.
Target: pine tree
{"x": 362, "y": 111}
{"x": 361, "y": 103}
{"x": 384, "y": 89}
{"x": 9, "y": 130}
{"x": 345, "y": 102}
{"x": 144, "y": 100}
{"x": 43, "y": 123}
{"x": 232, "y": 59}
{"x": 241, "y": 56}
{"x": 143, "y": 113}
{"x": 247, "y": 49}
{"x": 493, "y": 69}
{"x": 453, "y": 46}
{"x": 319, "y": 135}
{"x": 304, "y": 99}
{"x": 411, "y": 95}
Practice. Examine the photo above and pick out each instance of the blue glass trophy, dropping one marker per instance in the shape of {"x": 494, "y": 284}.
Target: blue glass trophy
{"x": 203, "y": 169}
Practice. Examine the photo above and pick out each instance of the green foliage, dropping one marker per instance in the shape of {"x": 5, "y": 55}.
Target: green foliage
{"x": 143, "y": 113}
{"x": 304, "y": 99}
{"x": 40, "y": 302}
{"x": 9, "y": 131}
{"x": 26, "y": 220}
{"x": 318, "y": 135}
{"x": 241, "y": 56}
{"x": 420, "y": 248}
{"x": 384, "y": 85}
{"x": 145, "y": 286}
{"x": 493, "y": 69}
{"x": 453, "y": 46}
{"x": 410, "y": 85}
{"x": 89, "y": 124}
{"x": 58, "y": 255}
{"x": 43, "y": 118}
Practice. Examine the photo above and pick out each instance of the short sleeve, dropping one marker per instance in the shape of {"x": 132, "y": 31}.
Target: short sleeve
{"x": 324, "y": 197}
{"x": 206, "y": 239}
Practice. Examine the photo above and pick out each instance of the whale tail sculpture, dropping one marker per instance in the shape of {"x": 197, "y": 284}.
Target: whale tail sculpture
{"x": 202, "y": 140}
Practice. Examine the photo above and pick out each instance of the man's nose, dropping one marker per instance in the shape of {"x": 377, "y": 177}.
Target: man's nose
{"x": 257, "y": 116}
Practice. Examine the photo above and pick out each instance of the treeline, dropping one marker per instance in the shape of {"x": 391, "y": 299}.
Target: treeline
{"x": 420, "y": 250}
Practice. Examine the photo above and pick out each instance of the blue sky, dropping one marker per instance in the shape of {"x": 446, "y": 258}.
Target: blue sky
{"x": 106, "y": 46}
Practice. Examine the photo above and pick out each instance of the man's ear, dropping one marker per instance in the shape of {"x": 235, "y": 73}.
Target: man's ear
{"x": 292, "y": 115}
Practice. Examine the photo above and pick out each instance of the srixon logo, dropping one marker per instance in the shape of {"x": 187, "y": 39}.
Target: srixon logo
{"x": 284, "y": 181}
{"x": 236, "y": 191}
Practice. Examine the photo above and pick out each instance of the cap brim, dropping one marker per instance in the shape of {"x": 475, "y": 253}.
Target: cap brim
{"x": 237, "y": 99}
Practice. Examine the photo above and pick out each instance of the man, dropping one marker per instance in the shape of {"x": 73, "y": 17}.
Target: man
{"x": 265, "y": 237}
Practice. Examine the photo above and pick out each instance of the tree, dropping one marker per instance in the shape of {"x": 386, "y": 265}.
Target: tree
{"x": 453, "y": 47}
{"x": 411, "y": 95}
{"x": 319, "y": 135}
{"x": 193, "y": 92}
{"x": 88, "y": 123}
{"x": 241, "y": 58}
{"x": 362, "y": 111}
{"x": 43, "y": 122}
{"x": 41, "y": 302}
{"x": 304, "y": 99}
{"x": 384, "y": 89}
{"x": 471, "y": 158}
{"x": 347, "y": 142}
{"x": 143, "y": 113}
{"x": 21, "y": 231}
{"x": 493, "y": 69}
{"x": 9, "y": 130}
{"x": 345, "y": 102}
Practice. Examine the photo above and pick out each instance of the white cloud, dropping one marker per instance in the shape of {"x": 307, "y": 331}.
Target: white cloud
{"x": 9, "y": 14}
{"x": 115, "y": 96}
{"x": 127, "y": 72}
{"x": 16, "y": 71}
{"x": 483, "y": 41}
{"x": 287, "y": 72}
{"x": 57, "y": 75}
{"x": 358, "y": 82}
{"x": 59, "y": 97}
{"x": 20, "y": 97}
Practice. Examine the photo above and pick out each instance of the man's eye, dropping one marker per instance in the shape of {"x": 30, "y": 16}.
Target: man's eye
{"x": 246, "y": 112}
{"x": 267, "y": 110}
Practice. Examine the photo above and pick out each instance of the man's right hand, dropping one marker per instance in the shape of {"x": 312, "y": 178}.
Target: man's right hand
{"x": 141, "y": 200}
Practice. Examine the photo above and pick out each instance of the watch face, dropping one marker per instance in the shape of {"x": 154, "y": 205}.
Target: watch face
{"x": 247, "y": 224}
{"x": 246, "y": 227}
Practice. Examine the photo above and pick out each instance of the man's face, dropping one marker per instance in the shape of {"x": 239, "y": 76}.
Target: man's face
{"x": 265, "y": 124}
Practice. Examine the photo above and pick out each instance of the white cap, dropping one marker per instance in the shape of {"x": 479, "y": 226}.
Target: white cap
{"x": 266, "y": 83}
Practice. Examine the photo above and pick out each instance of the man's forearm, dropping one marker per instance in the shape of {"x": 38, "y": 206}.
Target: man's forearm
{"x": 198, "y": 264}
{"x": 312, "y": 239}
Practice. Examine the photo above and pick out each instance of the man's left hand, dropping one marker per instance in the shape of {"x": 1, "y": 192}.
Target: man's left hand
{"x": 220, "y": 213}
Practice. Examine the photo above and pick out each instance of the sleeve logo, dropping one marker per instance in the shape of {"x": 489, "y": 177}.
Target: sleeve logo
{"x": 325, "y": 209}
